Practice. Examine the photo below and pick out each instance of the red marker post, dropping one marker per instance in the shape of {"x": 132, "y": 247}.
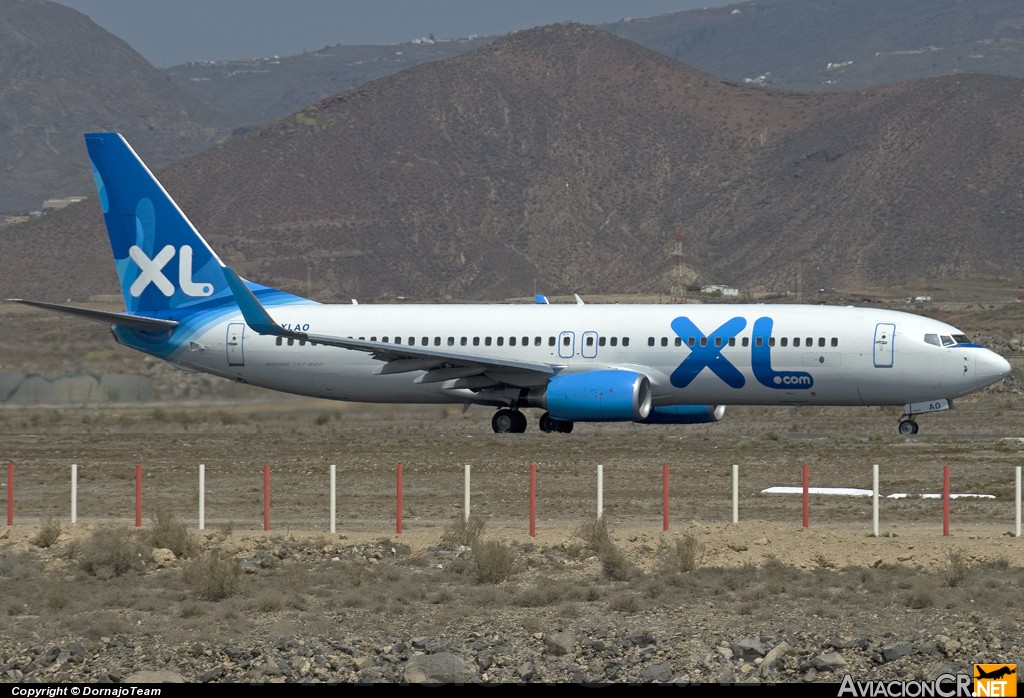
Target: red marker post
{"x": 138, "y": 495}
{"x": 266, "y": 497}
{"x": 664, "y": 497}
{"x": 10, "y": 494}
{"x": 398, "y": 513}
{"x": 533, "y": 500}
{"x": 807, "y": 496}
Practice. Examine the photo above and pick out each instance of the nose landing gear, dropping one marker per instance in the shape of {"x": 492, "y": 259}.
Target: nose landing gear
{"x": 907, "y": 426}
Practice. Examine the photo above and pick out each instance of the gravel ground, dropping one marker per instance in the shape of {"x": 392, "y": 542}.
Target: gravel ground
{"x": 633, "y": 601}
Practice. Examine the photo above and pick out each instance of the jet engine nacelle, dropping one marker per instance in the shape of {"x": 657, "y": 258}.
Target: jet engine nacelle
{"x": 685, "y": 414}
{"x": 596, "y": 396}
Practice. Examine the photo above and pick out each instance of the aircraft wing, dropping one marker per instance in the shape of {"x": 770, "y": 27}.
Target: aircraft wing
{"x": 440, "y": 365}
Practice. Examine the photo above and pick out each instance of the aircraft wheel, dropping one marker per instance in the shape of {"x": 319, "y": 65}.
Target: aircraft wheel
{"x": 908, "y": 427}
{"x": 564, "y": 427}
{"x": 547, "y": 424}
{"x": 518, "y": 422}
{"x": 507, "y": 421}
{"x": 502, "y": 421}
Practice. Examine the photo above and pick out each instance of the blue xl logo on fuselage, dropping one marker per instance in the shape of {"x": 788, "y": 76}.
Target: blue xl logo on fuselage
{"x": 706, "y": 352}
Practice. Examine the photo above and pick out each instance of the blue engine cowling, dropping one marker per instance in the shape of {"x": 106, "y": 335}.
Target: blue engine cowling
{"x": 596, "y": 396}
{"x": 685, "y": 414}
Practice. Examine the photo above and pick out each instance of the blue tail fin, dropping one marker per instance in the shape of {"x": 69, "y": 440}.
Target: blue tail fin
{"x": 163, "y": 263}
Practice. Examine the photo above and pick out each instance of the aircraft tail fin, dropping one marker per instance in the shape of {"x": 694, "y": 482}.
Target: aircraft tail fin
{"x": 164, "y": 265}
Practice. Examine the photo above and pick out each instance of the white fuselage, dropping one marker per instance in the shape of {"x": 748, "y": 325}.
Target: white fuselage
{"x": 692, "y": 354}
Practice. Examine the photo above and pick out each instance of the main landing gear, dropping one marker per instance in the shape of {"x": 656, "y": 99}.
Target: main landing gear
{"x": 506, "y": 421}
{"x": 908, "y": 427}
{"x": 509, "y": 421}
{"x": 549, "y": 425}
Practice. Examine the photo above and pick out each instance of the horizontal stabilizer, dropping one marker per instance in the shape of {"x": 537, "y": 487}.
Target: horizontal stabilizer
{"x": 137, "y": 322}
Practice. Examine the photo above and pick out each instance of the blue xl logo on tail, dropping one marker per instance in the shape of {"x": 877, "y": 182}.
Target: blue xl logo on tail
{"x": 706, "y": 352}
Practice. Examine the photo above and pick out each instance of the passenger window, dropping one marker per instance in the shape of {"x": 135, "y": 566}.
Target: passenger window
{"x": 615, "y": 341}
{"x": 703, "y": 341}
{"x": 600, "y": 342}
{"x": 664, "y": 341}
{"x": 746, "y": 341}
{"x": 691, "y": 342}
{"x": 511, "y": 341}
{"x": 373, "y": 339}
{"x": 437, "y": 341}
{"x": 732, "y": 341}
{"x": 487, "y": 341}
{"x": 650, "y": 341}
{"x": 501, "y": 341}
{"x": 835, "y": 341}
{"x": 590, "y": 341}
{"x": 526, "y": 341}
{"x": 771, "y": 341}
{"x": 291, "y": 342}
{"x": 476, "y": 341}
{"x": 462, "y": 341}
{"x": 784, "y": 341}
{"x": 302, "y": 342}
{"x": 759, "y": 341}
{"x": 810, "y": 341}
{"x": 796, "y": 341}
{"x": 625, "y": 341}
{"x": 426, "y": 341}
{"x": 412, "y": 341}
{"x": 821, "y": 341}
{"x": 536, "y": 341}
{"x": 277, "y": 341}
{"x": 678, "y": 341}
{"x": 398, "y": 340}
{"x": 932, "y": 339}
{"x": 718, "y": 341}
{"x": 384, "y": 339}
{"x": 451, "y": 341}
{"x": 551, "y": 341}
{"x": 566, "y": 341}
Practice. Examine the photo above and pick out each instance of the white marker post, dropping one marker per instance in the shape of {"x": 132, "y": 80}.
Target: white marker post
{"x": 1017, "y": 490}
{"x": 202, "y": 497}
{"x": 465, "y": 492}
{"x": 735, "y": 492}
{"x": 74, "y": 494}
{"x": 874, "y": 497}
{"x": 334, "y": 495}
{"x": 600, "y": 491}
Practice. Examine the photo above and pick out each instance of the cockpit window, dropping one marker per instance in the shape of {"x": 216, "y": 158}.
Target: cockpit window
{"x": 961, "y": 339}
{"x": 932, "y": 339}
{"x": 947, "y": 341}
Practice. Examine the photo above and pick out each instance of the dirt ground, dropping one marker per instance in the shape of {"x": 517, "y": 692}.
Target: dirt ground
{"x": 267, "y": 468}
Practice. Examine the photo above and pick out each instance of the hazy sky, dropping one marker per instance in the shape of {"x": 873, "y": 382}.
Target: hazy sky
{"x": 171, "y": 32}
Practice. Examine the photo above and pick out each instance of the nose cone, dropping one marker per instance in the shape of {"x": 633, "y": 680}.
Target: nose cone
{"x": 991, "y": 368}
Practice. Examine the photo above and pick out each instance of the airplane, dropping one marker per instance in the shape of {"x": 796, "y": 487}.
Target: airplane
{"x": 576, "y": 362}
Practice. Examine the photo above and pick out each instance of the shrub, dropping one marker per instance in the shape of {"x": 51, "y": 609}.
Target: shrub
{"x": 171, "y": 533}
{"x": 214, "y": 576}
{"x": 594, "y": 533}
{"x": 957, "y": 568}
{"x": 493, "y": 562}
{"x": 463, "y": 531}
{"x": 48, "y": 534}
{"x": 684, "y": 554}
{"x": 111, "y": 552}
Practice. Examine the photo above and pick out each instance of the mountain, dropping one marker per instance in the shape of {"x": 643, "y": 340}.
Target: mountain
{"x": 839, "y": 44}
{"x": 60, "y": 75}
{"x": 566, "y": 159}
{"x": 805, "y": 45}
